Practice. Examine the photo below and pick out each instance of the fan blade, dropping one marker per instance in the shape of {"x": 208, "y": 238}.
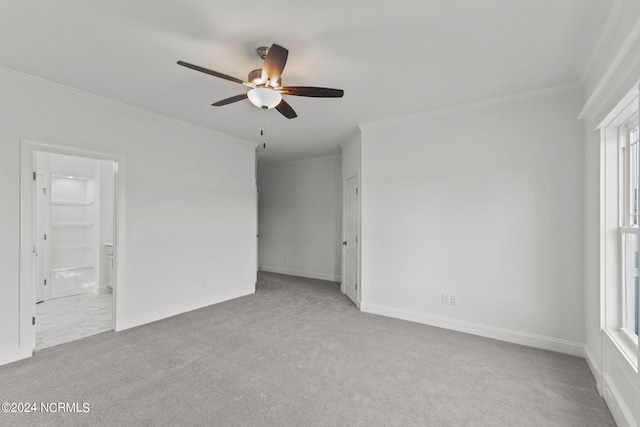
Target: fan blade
{"x": 274, "y": 63}
{"x": 208, "y": 71}
{"x": 315, "y": 92}
{"x": 230, "y": 100}
{"x": 286, "y": 110}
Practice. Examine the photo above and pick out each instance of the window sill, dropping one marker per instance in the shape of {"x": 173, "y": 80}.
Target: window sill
{"x": 630, "y": 339}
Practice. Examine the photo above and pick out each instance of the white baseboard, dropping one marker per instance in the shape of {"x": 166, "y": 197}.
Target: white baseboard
{"x": 299, "y": 273}
{"x": 516, "y": 337}
{"x": 14, "y": 356}
{"x": 132, "y": 322}
{"x": 622, "y": 414}
{"x": 595, "y": 369}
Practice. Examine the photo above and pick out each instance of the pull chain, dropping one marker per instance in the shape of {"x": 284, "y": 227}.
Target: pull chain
{"x": 264, "y": 126}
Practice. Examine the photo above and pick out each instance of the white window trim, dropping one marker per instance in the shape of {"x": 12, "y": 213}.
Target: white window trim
{"x": 613, "y": 214}
{"x": 626, "y": 226}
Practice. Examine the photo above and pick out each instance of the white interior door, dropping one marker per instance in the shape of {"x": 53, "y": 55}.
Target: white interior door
{"x": 352, "y": 243}
{"x": 41, "y": 236}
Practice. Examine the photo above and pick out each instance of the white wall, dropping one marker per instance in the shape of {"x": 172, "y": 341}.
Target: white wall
{"x": 300, "y": 218}
{"x": 351, "y": 156}
{"x": 190, "y": 201}
{"x": 485, "y": 204}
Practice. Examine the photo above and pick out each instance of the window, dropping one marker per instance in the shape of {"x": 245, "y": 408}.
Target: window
{"x": 630, "y": 179}
{"x": 620, "y": 223}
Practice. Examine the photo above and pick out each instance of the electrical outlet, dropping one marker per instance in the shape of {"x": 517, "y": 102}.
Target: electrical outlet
{"x": 446, "y": 299}
{"x": 454, "y": 299}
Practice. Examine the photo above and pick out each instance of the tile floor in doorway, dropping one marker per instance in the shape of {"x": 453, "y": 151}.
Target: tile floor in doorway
{"x": 70, "y": 318}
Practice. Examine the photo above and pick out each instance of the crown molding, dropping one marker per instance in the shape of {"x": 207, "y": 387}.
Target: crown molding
{"x": 608, "y": 29}
{"x": 121, "y": 105}
{"x": 621, "y": 76}
{"x": 493, "y": 102}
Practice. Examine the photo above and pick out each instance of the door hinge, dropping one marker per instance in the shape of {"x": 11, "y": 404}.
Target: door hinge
{"x": 34, "y": 176}
{"x": 45, "y": 282}
{"x": 44, "y": 191}
{"x": 356, "y": 239}
{"x": 356, "y": 191}
{"x": 356, "y": 286}
{"x": 33, "y": 320}
{"x": 45, "y": 237}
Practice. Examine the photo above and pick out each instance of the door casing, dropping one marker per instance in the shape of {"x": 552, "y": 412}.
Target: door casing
{"x": 27, "y": 305}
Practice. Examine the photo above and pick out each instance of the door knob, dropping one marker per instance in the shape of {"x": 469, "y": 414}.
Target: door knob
{"x": 344, "y": 243}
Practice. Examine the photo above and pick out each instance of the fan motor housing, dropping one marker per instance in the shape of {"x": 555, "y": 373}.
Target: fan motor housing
{"x": 255, "y": 76}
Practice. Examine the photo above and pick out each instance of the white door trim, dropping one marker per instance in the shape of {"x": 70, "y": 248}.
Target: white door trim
{"x": 27, "y": 336}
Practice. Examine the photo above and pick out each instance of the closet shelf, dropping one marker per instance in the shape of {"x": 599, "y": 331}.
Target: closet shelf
{"x": 83, "y": 178}
{"x": 72, "y": 202}
{"x": 80, "y": 267}
{"x": 72, "y": 224}
{"x": 70, "y": 247}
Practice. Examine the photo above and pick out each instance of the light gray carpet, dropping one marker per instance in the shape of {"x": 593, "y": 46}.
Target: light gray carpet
{"x": 298, "y": 353}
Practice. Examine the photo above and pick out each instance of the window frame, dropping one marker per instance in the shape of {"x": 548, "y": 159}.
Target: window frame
{"x": 628, "y": 224}
{"x": 615, "y": 224}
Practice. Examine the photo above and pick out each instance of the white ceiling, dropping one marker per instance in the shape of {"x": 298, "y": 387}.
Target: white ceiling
{"x": 392, "y": 58}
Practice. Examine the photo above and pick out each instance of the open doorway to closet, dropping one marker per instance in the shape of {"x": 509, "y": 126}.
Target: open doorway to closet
{"x": 73, "y": 230}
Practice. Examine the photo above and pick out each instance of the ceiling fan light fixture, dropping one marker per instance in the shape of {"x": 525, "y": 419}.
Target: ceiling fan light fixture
{"x": 265, "y": 84}
{"x": 264, "y": 98}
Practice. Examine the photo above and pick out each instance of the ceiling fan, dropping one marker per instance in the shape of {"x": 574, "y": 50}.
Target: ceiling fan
{"x": 266, "y": 89}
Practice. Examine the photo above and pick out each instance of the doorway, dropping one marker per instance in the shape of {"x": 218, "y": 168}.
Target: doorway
{"x": 71, "y": 229}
